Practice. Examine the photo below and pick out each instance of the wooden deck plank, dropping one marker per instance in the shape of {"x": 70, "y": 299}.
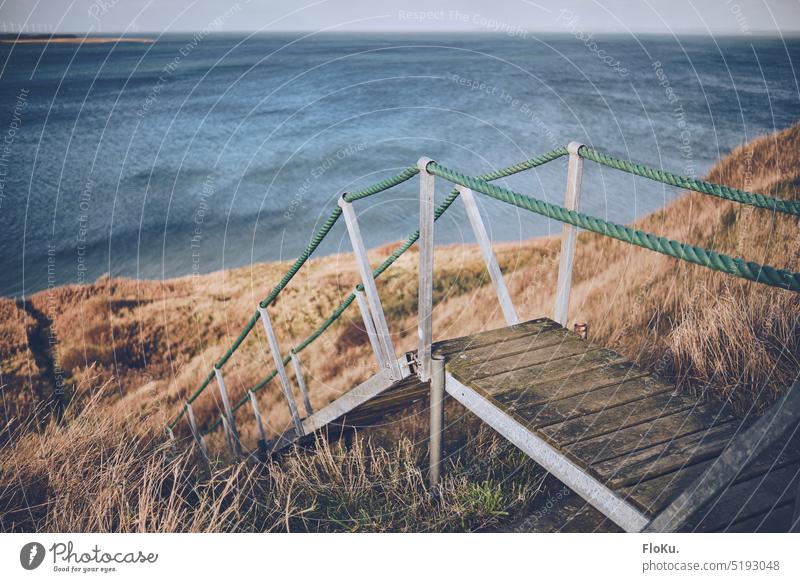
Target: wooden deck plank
{"x": 666, "y": 456}
{"x": 623, "y": 437}
{"x": 398, "y": 397}
{"x": 511, "y": 347}
{"x": 626, "y": 441}
{"x": 548, "y": 456}
{"x": 539, "y": 399}
{"x": 364, "y": 406}
{"x": 587, "y": 519}
{"x": 571, "y": 346}
{"x": 655, "y": 494}
{"x": 754, "y": 497}
{"x": 777, "y": 520}
{"x": 560, "y": 378}
{"x": 601, "y": 402}
{"x": 604, "y": 411}
{"x": 626, "y": 428}
{"x": 449, "y": 347}
{"x": 566, "y": 513}
{"x": 769, "y": 481}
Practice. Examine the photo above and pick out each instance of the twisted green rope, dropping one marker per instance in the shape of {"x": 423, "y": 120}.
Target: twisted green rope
{"x": 299, "y": 262}
{"x": 751, "y": 271}
{"x": 448, "y": 201}
{"x": 725, "y": 192}
{"x": 738, "y": 267}
{"x": 406, "y": 174}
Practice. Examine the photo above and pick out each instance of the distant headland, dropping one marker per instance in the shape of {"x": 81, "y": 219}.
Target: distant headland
{"x": 67, "y": 39}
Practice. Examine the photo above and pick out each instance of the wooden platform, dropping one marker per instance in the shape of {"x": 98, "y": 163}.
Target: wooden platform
{"x": 584, "y": 409}
{"x": 625, "y": 441}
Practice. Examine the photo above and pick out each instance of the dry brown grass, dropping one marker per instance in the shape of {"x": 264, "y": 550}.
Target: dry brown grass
{"x": 149, "y": 344}
{"x": 104, "y": 473}
{"x": 710, "y": 333}
{"x": 22, "y": 380}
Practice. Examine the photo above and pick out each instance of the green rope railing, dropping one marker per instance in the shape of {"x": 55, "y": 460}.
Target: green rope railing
{"x": 304, "y": 256}
{"x": 751, "y": 271}
{"x": 719, "y": 190}
{"x": 412, "y": 238}
{"x": 738, "y": 267}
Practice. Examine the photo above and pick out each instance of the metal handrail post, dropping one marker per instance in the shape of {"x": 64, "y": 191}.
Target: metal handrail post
{"x": 569, "y": 234}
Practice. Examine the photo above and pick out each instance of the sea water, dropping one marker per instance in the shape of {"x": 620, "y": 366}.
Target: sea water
{"x": 200, "y": 152}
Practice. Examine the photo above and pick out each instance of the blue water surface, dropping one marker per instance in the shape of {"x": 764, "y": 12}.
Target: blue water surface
{"x": 192, "y": 154}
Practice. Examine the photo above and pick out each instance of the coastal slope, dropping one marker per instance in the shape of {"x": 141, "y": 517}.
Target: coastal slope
{"x": 130, "y": 352}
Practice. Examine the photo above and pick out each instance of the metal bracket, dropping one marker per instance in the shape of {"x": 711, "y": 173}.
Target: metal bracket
{"x": 301, "y": 381}
{"x": 369, "y": 326}
{"x": 198, "y": 438}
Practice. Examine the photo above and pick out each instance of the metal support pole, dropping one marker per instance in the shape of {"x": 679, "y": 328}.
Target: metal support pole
{"x": 478, "y": 227}
{"x": 262, "y": 438}
{"x": 198, "y": 438}
{"x": 229, "y": 440}
{"x": 569, "y": 234}
{"x": 278, "y": 359}
{"x": 257, "y": 413}
{"x": 301, "y": 382}
{"x": 369, "y": 327}
{"x": 427, "y": 186}
{"x": 437, "y": 420}
{"x": 370, "y": 289}
{"x": 228, "y": 416}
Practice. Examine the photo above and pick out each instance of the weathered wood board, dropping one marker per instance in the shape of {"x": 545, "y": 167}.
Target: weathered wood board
{"x": 627, "y": 429}
{"x": 622, "y": 426}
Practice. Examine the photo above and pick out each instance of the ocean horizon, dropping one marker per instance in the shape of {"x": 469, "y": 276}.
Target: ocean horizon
{"x": 200, "y": 152}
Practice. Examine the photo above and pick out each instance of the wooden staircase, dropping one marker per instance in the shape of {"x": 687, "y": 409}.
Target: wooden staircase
{"x": 622, "y": 439}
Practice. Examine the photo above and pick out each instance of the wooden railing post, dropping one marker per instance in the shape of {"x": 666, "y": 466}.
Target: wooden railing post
{"x": 277, "y": 357}
{"x": 427, "y": 187}
{"x": 301, "y": 382}
{"x": 437, "y": 420}
{"x": 198, "y": 438}
{"x": 228, "y": 412}
{"x": 495, "y": 274}
{"x": 370, "y": 289}
{"x": 569, "y": 234}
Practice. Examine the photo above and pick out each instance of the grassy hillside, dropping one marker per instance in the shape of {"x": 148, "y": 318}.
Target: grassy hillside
{"x": 132, "y": 351}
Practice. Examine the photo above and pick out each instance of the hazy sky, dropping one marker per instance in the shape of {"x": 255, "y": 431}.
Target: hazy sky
{"x": 503, "y": 16}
